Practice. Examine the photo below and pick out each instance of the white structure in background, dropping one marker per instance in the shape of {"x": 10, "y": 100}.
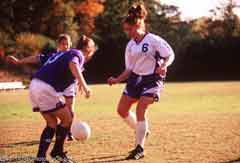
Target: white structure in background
{"x": 11, "y": 85}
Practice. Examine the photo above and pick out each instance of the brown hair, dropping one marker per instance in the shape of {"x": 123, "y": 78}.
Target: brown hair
{"x": 137, "y": 13}
{"x": 64, "y": 37}
{"x": 83, "y": 42}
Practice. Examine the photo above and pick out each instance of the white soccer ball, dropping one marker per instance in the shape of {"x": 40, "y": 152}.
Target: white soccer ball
{"x": 80, "y": 130}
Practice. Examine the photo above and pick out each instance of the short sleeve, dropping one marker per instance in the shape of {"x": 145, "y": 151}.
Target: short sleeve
{"x": 77, "y": 58}
{"x": 165, "y": 50}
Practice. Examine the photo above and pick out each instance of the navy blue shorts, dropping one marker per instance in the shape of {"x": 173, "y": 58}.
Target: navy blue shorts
{"x": 144, "y": 85}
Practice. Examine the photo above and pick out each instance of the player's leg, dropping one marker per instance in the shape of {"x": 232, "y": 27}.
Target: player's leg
{"x": 123, "y": 108}
{"x": 69, "y": 95}
{"x": 141, "y": 127}
{"x": 70, "y": 103}
{"x": 61, "y": 132}
{"x": 142, "y": 120}
{"x": 150, "y": 92}
{"x": 46, "y": 99}
{"x": 46, "y": 137}
{"x": 42, "y": 97}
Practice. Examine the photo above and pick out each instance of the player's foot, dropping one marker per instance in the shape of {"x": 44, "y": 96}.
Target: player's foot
{"x": 61, "y": 157}
{"x": 70, "y": 137}
{"x": 147, "y": 134}
{"x": 136, "y": 154}
{"x": 41, "y": 160}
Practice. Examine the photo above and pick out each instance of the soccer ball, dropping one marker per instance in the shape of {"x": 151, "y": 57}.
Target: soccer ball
{"x": 80, "y": 130}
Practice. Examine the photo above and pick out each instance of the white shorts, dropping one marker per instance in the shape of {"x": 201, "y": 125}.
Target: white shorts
{"x": 70, "y": 91}
{"x": 43, "y": 97}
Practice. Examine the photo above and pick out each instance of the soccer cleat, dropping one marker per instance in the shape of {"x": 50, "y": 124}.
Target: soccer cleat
{"x": 70, "y": 137}
{"x": 61, "y": 157}
{"x": 147, "y": 134}
{"x": 136, "y": 154}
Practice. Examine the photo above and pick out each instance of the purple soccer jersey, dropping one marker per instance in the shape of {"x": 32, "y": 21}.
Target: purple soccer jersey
{"x": 56, "y": 72}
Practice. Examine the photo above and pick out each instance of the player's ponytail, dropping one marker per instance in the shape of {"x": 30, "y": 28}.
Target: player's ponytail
{"x": 82, "y": 42}
{"x": 87, "y": 46}
{"x": 137, "y": 13}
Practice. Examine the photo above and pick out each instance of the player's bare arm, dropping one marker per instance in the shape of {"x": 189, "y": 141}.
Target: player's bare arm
{"x": 28, "y": 60}
{"x": 79, "y": 76}
{"x": 123, "y": 76}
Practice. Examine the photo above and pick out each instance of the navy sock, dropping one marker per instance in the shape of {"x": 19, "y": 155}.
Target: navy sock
{"x": 61, "y": 134}
{"x": 45, "y": 141}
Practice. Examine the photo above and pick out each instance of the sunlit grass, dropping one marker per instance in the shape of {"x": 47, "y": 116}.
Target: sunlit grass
{"x": 176, "y": 97}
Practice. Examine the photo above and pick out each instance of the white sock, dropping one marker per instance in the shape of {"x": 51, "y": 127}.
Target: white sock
{"x": 131, "y": 120}
{"x": 142, "y": 128}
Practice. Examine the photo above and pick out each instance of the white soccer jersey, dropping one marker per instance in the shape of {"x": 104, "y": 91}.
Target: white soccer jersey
{"x": 140, "y": 57}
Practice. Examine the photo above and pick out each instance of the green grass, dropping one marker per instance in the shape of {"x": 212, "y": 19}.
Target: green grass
{"x": 174, "y": 134}
{"x": 176, "y": 97}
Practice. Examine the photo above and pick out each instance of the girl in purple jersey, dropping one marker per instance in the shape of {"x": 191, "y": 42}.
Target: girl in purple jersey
{"x": 44, "y": 96}
{"x": 147, "y": 57}
{"x": 64, "y": 43}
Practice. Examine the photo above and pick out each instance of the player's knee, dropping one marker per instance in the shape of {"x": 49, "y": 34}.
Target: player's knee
{"x": 122, "y": 113}
{"x": 52, "y": 123}
{"x": 66, "y": 123}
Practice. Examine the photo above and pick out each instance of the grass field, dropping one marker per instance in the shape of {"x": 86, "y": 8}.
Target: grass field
{"x": 196, "y": 122}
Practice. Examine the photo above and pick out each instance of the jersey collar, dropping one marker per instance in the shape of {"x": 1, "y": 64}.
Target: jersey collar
{"x": 138, "y": 42}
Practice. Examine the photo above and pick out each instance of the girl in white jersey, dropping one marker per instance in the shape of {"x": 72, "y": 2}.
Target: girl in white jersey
{"x": 147, "y": 57}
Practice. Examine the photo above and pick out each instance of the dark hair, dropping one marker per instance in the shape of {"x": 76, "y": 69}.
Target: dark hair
{"x": 83, "y": 42}
{"x": 135, "y": 13}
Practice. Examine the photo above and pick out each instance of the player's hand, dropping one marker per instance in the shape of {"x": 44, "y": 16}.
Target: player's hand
{"x": 88, "y": 92}
{"x": 12, "y": 60}
{"x": 161, "y": 70}
{"x": 112, "y": 80}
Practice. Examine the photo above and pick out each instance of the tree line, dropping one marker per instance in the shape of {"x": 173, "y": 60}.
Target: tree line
{"x": 206, "y": 48}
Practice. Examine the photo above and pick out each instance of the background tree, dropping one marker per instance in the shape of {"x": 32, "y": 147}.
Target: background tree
{"x": 205, "y": 48}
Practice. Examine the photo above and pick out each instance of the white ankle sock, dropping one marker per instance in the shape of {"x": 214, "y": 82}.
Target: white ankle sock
{"x": 142, "y": 128}
{"x": 131, "y": 120}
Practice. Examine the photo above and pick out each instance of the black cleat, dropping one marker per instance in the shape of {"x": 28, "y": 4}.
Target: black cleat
{"x": 61, "y": 157}
{"x": 147, "y": 134}
{"x": 70, "y": 137}
{"x": 41, "y": 160}
{"x": 136, "y": 154}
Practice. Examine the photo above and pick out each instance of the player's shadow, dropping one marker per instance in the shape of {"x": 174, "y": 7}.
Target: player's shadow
{"x": 23, "y": 143}
{"x": 17, "y": 159}
{"x": 112, "y": 158}
{"x": 232, "y": 161}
